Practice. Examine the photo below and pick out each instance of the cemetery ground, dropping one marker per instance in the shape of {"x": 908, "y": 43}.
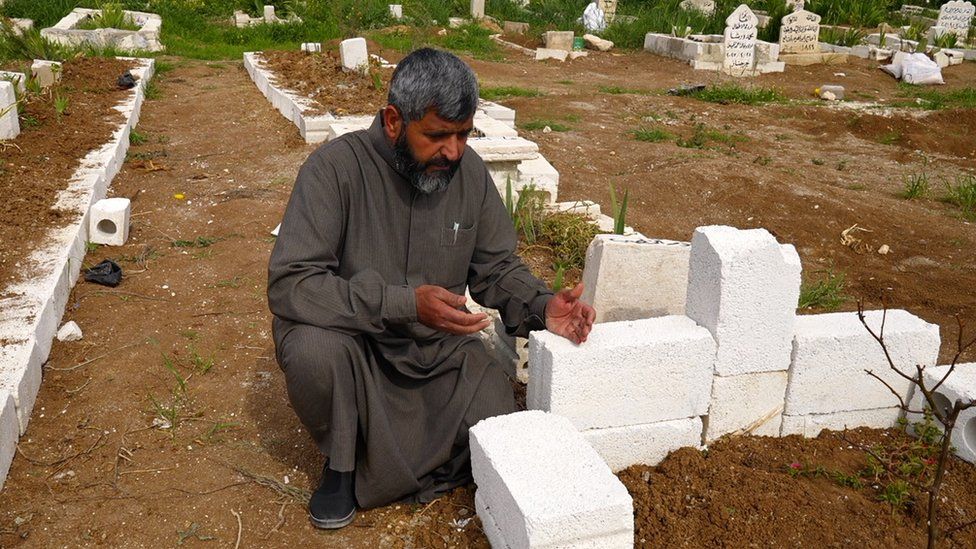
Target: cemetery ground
{"x": 168, "y": 424}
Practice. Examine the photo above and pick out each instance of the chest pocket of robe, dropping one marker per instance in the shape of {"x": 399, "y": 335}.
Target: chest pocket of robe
{"x": 451, "y": 268}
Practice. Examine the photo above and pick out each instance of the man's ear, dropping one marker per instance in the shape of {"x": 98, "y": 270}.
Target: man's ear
{"x": 392, "y": 122}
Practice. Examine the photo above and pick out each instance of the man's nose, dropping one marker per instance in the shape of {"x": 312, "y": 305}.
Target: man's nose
{"x": 453, "y": 148}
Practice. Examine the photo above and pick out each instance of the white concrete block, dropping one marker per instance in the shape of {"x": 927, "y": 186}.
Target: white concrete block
{"x": 504, "y": 149}
{"x": 396, "y": 11}
{"x": 542, "y": 54}
{"x": 109, "y": 221}
{"x": 269, "y": 14}
{"x": 546, "y": 486}
{"x": 746, "y": 404}
{"x": 558, "y": 40}
{"x": 353, "y": 54}
{"x": 810, "y": 425}
{"x": 47, "y": 73}
{"x": 477, "y": 9}
{"x": 832, "y": 351}
{"x": 488, "y": 525}
{"x": 9, "y": 123}
{"x": 627, "y": 373}
{"x": 18, "y": 79}
{"x": 312, "y": 47}
{"x": 744, "y": 287}
{"x": 649, "y": 443}
{"x": 631, "y": 277}
{"x": 498, "y": 112}
{"x": 489, "y": 127}
{"x": 961, "y": 385}
{"x": 70, "y": 331}
{"x": 539, "y": 172}
{"x": 9, "y": 432}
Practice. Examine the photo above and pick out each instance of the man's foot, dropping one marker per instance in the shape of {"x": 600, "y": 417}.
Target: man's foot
{"x": 333, "y": 504}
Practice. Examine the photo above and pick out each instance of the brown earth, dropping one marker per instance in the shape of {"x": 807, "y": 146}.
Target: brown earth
{"x": 169, "y": 420}
{"x": 39, "y": 162}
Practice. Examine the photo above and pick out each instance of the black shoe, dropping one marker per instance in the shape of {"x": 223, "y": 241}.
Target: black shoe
{"x": 333, "y": 504}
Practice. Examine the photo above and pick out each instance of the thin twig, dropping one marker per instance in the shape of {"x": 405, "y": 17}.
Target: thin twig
{"x": 901, "y": 401}
{"x": 139, "y": 471}
{"x": 240, "y": 527}
{"x": 62, "y": 460}
{"x": 960, "y": 527}
{"x": 90, "y": 360}
{"x": 73, "y": 391}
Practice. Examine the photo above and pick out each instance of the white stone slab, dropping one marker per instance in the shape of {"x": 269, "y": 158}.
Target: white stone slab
{"x": 558, "y": 40}
{"x": 541, "y": 54}
{"x": 648, "y": 444}
{"x": 627, "y": 373}
{"x": 145, "y": 38}
{"x": 18, "y": 79}
{"x": 498, "y": 112}
{"x": 832, "y": 351}
{"x": 353, "y": 54}
{"x": 540, "y": 173}
{"x": 746, "y": 404}
{"x": 800, "y": 33}
{"x": 348, "y": 124}
{"x": 33, "y": 309}
{"x": 546, "y": 486}
{"x": 504, "y": 149}
{"x": 9, "y": 123}
{"x": 488, "y": 525}
{"x": 744, "y": 287}
{"x": 477, "y": 9}
{"x": 109, "y": 221}
{"x": 490, "y": 127}
{"x": 269, "y": 14}
{"x": 313, "y": 128}
{"x": 632, "y": 277}
{"x": 810, "y": 425}
{"x": 740, "y": 41}
{"x": 9, "y": 432}
{"x": 47, "y": 73}
{"x": 961, "y": 385}
{"x": 956, "y": 17}
{"x": 396, "y": 11}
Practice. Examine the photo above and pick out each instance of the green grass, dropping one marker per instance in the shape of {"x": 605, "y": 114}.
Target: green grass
{"x": 137, "y": 138}
{"x": 727, "y": 94}
{"x": 916, "y": 186}
{"x": 701, "y": 136}
{"x": 652, "y": 135}
{"x": 198, "y": 242}
{"x": 112, "y": 16}
{"x": 539, "y": 124}
{"x": 962, "y": 193}
{"x": 931, "y": 99}
{"x": 504, "y": 92}
{"x": 890, "y": 138}
{"x": 826, "y": 293}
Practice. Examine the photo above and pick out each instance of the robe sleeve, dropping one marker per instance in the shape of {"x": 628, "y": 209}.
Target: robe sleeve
{"x": 497, "y": 278}
{"x": 303, "y": 285}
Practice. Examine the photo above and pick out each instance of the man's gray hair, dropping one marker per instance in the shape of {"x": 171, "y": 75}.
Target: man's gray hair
{"x": 429, "y": 78}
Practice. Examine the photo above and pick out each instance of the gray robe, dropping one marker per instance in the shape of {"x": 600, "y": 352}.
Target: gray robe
{"x": 356, "y": 239}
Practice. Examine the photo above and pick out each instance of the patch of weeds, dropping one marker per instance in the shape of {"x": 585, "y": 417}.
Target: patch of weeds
{"x": 651, "y": 135}
{"x": 192, "y": 532}
{"x": 696, "y": 141}
{"x": 701, "y": 136}
{"x": 137, "y": 138}
{"x": 217, "y": 428}
{"x": 781, "y": 137}
{"x": 617, "y": 90}
{"x": 201, "y": 363}
{"x": 727, "y": 94}
{"x": 890, "y": 138}
{"x": 192, "y": 335}
{"x": 91, "y": 246}
{"x": 230, "y": 282}
{"x": 472, "y": 39}
{"x": 826, "y": 293}
{"x": 574, "y": 118}
{"x": 61, "y": 105}
{"x": 763, "y": 160}
{"x": 930, "y": 99}
{"x": 916, "y": 186}
{"x": 842, "y": 165}
{"x": 565, "y": 82}
{"x": 539, "y": 124}
{"x": 205, "y": 254}
{"x": 504, "y": 92}
{"x": 111, "y": 17}
{"x": 29, "y": 121}
{"x": 963, "y": 195}
{"x": 198, "y": 242}
{"x": 152, "y": 90}
{"x": 857, "y": 187}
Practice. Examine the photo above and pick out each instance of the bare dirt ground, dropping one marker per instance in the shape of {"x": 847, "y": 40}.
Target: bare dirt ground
{"x": 169, "y": 423}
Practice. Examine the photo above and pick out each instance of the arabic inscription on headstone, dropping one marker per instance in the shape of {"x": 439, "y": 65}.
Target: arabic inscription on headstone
{"x": 956, "y": 16}
{"x": 740, "y": 41}
{"x": 800, "y": 33}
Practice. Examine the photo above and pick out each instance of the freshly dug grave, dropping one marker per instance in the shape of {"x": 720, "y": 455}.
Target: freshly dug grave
{"x": 320, "y": 77}
{"x": 741, "y": 493}
{"x": 38, "y": 163}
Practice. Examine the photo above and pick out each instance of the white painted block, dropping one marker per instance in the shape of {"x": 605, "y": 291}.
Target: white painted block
{"x": 546, "y": 486}
{"x": 632, "y": 277}
{"x": 498, "y": 112}
{"x": 558, "y": 40}
{"x": 832, "y": 351}
{"x": 504, "y": 149}
{"x": 541, "y": 54}
{"x": 347, "y": 124}
{"x": 269, "y": 14}
{"x": 961, "y": 385}
{"x": 489, "y": 127}
{"x": 746, "y": 402}
{"x": 810, "y": 425}
{"x": 353, "y": 54}
{"x": 18, "y": 79}
{"x": 396, "y": 11}
{"x": 9, "y": 432}
{"x": 648, "y": 444}
{"x": 312, "y": 47}
{"x": 9, "y": 123}
{"x": 494, "y": 534}
{"x": 744, "y": 287}
{"x": 70, "y": 331}
{"x": 627, "y": 373}
{"x": 477, "y": 9}
{"x": 109, "y": 221}
{"x": 47, "y": 73}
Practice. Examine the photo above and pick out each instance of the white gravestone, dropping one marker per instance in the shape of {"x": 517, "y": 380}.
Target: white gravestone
{"x": 477, "y": 9}
{"x": 800, "y": 33}
{"x": 707, "y": 7}
{"x": 740, "y": 41}
{"x": 609, "y": 8}
{"x": 353, "y": 54}
{"x": 9, "y": 124}
{"x": 795, "y": 5}
{"x": 956, "y": 16}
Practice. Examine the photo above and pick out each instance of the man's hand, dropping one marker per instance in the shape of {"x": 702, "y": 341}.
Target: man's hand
{"x": 569, "y": 317}
{"x": 437, "y": 308}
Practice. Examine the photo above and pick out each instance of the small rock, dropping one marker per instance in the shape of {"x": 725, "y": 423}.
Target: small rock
{"x": 69, "y": 332}
{"x": 594, "y": 42}
{"x": 547, "y": 129}
{"x": 884, "y": 249}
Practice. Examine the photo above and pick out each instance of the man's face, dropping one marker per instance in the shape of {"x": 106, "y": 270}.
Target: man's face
{"x": 429, "y": 150}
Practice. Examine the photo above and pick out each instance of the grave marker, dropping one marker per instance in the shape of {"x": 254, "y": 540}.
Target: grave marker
{"x": 800, "y": 33}
{"x": 609, "y": 8}
{"x": 9, "y": 124}
{"x": 477, "y": 9}
{"x": 353, "y": 54}
{"x": 705, "y": 6}
{"x": 740, "y": 42}
{"x": 956, "y": 16}
{"x": 396, "y": 11}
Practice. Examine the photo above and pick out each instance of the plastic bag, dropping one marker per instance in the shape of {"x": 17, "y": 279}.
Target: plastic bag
{"x": 107, "y": 273}
{"x": 126, "y": 81}
{"x": 917, "y": 68}
{"x": 594, "y": 18}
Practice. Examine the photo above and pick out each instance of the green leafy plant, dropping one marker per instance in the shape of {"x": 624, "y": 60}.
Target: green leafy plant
{"x": 651, "y": 135}
{"x": 110, "y": 16}
{"x": 198, "y": 242}
{"x": 61, "y": 105}
{"x": 826, "y": 293}
{"x": 847, "y": 37}
{"x": 962, "y": 193}
{"x": 946, "y": 40}
{"x": 558, "y": 281}
{"x": 539, "y": 124}
{"x": 619, "y": 210}
{"x": 728, "y": 94}
{"x": 137, "y": 138}
{"x": 916, "y": 186}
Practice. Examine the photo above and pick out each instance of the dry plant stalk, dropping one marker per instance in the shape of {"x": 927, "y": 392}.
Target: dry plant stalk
{"x": 946, "y": 416}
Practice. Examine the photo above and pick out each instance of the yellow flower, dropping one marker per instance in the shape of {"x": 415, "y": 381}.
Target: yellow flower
{"x": 179, "y": 196}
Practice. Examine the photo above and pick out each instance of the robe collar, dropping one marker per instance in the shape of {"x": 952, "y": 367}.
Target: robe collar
{"x": 377, "y": 135}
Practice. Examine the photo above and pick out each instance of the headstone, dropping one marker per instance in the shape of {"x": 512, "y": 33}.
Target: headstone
{"x": 18, "y": 79}
{"x": 609, "y": 8}
{"x": 707, "y": 7}
{"x": 47, "y": 73}
{"x": 9, "y": 124}
{"x": 353, "y": 54}
{"x": 514, "y": 27}
{"x": 740, "y": 41}
{"x": 795, "y": 5}
{"x": 559, "y": 40}
{"x": 800, "y": 33}
{"x": 541, "y": 54}
{"x": 477, "y": 9}
{"x": 312, "y": 47}
{"x": 956, "y": 16}
{"x": 396, "y": 11}
{"x": 269, "y": 14}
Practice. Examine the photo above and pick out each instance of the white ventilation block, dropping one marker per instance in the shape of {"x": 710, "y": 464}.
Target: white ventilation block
{"x": 109, "y": 221}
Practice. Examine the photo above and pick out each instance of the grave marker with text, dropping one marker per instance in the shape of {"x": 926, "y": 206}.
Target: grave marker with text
{"x": 956, "y": 17}
{"x": 740, "y": 42}
{"x": 800, "y": 33}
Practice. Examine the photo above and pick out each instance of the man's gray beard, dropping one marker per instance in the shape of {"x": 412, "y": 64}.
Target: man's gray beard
{"x": 416, "y": 172}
